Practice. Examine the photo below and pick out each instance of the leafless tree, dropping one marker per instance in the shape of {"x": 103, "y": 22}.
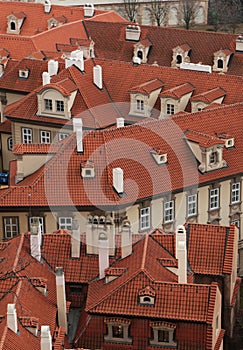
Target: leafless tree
{"x": 225, "y": 14}
{"x": 157, "y": 11}
{"x": 131, "y": 9}
{"x": 189, "y": 11}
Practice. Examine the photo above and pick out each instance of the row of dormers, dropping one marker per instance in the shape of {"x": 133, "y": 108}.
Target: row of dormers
{"x": 16, "y": 20}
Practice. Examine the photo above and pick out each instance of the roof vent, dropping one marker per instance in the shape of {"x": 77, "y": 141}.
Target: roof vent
{"x": 133, "y": 32}
{"x": 88, "y": 10}
{"x": 87, "y": 169}
{"x": 24, "y": 73}
{"x": 120, "y": 122}
{"x": 52, "y": 67}
{"x": 47, "y": 6}
{"x": 97, "y": 76}
{"x": 159, "y": 156}
{"x": 118, "y": 182}
{"x": 46, "y": 79}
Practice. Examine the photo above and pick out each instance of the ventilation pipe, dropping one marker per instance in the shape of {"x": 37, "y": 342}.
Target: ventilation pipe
{"x": 103, "y": 254}
{"x": 181, "y": 253}
{"x": 46, "y": 79}
{"x": 88, "y": 10}
{"x": 12, "y": 322}
{"x": 46, "y": 341}
{"x": 52, "y": 67}
{"x": 35, "y": 239}
{"x": 75, "y": 250}
{"x": 97, "y": 76}
{"x": 78, "y": 128}
{"x": 118, "y": 182}
{"x": 61, "y": 298}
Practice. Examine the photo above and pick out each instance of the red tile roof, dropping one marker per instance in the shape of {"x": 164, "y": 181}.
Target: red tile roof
{"x": 148, "y": 87}
{"x": 202, "y": 139}
{"x": 209, "y": 96}
{"x": 178, "y": 91}
{"x": 5, "y": 127}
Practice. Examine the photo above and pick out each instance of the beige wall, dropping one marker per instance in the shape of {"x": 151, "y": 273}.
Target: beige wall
{"x": 7, "y": 155}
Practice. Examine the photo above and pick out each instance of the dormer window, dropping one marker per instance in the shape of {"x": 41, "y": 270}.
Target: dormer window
{"x": 181, "y": 54}
{"x": 59, "y": 106}
{"x": 220, "y": 63}
{"x": 15, "y": 22}
{"x": 140, "y": 105}
{"x": 140, "y": 54}
{"x": 170, "y": 108}
{"x": 48, "y": 104}
{"x": 178, "y": 59}
{"x": 12, "y": 25}
{"x": 159, "y": 156}
{"x": 221, "y": 60}
{"x": 23, "y": 73}
{"x": 87, "y": 170}
{"x": 213, "y": 158}
{"x": 147, "y": 296}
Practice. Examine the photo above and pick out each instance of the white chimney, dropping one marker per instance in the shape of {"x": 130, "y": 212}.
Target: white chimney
{"x": 239, "y": 43}
{"x": 118, "y": 182}
{"x": 133, "y": 32}
{"x": 52, "y": 67}
{"x": 75, "y": 250}
{"x": 120, "y": 122}
{"x": 78, "y": 128}
{"x": 12, "y": 322}
{"x": 46, "y": 79}
{"x": 77, "y": 59}
{"x": 103, "y": 254}
{"x": 61, "y": 298}
{"x": 88, "y": 10}
{"x": 97, "y": 76}
{"x": 46, "y": 341}
{"x": 181, "y": 253}
{"x": 47, "y": 6}
{"x": 126, "y": 239}
{"x": 35, "y": 239}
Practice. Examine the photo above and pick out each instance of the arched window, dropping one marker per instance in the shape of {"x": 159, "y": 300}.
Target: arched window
{"x": 220, "y": 63}
{"x": 178, "y": 59}
{"x": 10, "y": 143}
{"x": 140, "y": 54}
{"x": 12, "y": 25}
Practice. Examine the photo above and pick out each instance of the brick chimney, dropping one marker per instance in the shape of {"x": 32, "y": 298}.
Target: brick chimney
{"x": 46, "y": 341}
{"x": 12, "y": 322}
{"x": 75, "y": 242}
{"x": 61, "y": 298}
{"x": 103, "y": 253}
{"x": 35, "y": 239}
{"x": 126, "y": 239}
{"x": 118, "y": 182}
{"x": 181, "y": 253}
{"x": 78, "y": 128}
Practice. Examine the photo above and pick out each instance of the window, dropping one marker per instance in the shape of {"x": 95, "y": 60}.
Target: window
{"x": 59, "y": 106}
{"x": 235, "y": 192}
{"x": 214, "y": 198}
{"x": 62, "y": 136}
{"x": 65, "y": 223}
{"x": 10, "y": 143}
{"x": 140, "y": 105}
{"x": 178, "y": 59}
{"x": 48, "y": 104}
{"x": 26, "y": 135}
{"x": 12, "y": 25}
{"x": 140, "y": 54}
{"x": 168, "y": 211}
{"x": 11, "y": 226}
{"x": 145, "y": 218}
{"x": 40, "y": 220}
{"x": 213, "y": 158}
{"x": 118, "y": 331}
{"x": 170, "y": 109}
{"x": 163, "y": 336}
{"x": 45, "y": 136}
{"x": 237, "y": 223}
{"x": 192, "y": 205}
{"x": 220, "y": 63}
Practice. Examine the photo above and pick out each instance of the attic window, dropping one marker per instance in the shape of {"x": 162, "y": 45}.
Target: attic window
{"x": 213, "y": 158}
{"x": 140, "y": 105}
{"x": 87, "y": 170}
{"x": 147, "y": 296}
{"x": 13, "y": 25}
{"x": 163, "y": 334}
{"x": 178, "y": 59}
{"x": 23, "y": 73}
{"x": 146, "y": 300}
{"x": 140, "y": 54}
{"x": 159, "y": 157}
{"x": 220, "y": 63}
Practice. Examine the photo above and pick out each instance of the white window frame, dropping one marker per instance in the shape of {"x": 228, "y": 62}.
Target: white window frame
{"x": 170, "y": 108}
{"x": 41, "y": 222}
{"x": 235, "y": 192}
{"x": 11, "y": 226}
{"x": 59, "y": 104}
{"x": 213, "y": 158}
{"x": 45, "y": 136}
{"x": 155, "y": 339}
{"x": 26, "y": 135}
{"x": 192, "y": 204}
{"x": 65, "y": 223}
{"x": 48, "y": 104}
{"x": 168, "y": 211}
{"x": 144, "y": 218}
{"x": 125, "y": 333}
{"x": 140, "y": 105}
{"x": 62, "y": 136}
{"x": 214, "y": 198}
{"x": 10, "y": 143}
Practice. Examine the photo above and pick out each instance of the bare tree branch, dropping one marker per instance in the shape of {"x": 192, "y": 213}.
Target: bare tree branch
{"x": 131, "y": 9}
{"x": 157, "y": 11}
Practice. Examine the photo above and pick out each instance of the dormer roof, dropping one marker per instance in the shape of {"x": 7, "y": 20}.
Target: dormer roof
{"x": 202, "y": 139}
{"x": 184, "y": 47}
{"x": 65, "y": 87}
{"x": 18, "y": 15}
{"x": 178, "y": 91}
{"x": 147, "y": 87}
{"x": 209, "y": 96}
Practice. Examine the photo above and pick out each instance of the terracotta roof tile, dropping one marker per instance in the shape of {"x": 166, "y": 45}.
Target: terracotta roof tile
{"x": 209, "y": 96}
{"x": 5, "y": 127}
{"x": 202, "y": 139}
{"x": 178, "y": 91}
{"x": 148, "y": 87}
